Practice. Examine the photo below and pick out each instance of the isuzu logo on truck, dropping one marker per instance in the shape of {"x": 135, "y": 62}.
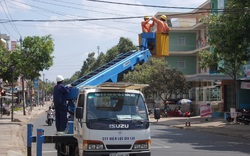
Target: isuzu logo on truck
{"x": 118, "y": 126}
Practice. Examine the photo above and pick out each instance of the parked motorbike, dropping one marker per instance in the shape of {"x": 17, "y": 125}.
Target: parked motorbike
{"x": 243, "y": 117}
{"x": 50, "y": 118}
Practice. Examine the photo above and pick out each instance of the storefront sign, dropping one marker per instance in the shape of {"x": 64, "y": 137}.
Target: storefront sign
{"x": 246, "y": 70}
{"x": 245, "y": 85}
{"x": 205, "y": 110}
{"x": 233, "y": 113}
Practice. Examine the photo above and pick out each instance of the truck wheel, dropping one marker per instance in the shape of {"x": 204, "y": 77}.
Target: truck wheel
{"x": 76, "y": 153}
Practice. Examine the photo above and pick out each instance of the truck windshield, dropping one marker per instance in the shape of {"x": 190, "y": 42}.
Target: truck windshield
{"x": 115, "y": 106}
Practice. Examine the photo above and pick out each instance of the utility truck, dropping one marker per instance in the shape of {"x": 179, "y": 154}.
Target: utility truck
{"x": 112, "y": 119}
{"x": 108, "y": 118}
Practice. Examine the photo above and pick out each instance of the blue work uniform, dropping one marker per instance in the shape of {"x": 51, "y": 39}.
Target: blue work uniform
{"x": 59, "y": 99}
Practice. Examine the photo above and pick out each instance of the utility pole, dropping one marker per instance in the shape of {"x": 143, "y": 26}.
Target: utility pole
{"x": 12, "y": 94}
{"x": 46, "y": 81}
{"x": 43, "y": 91}
{"x": 98, "y": 47}
{"x": 22, "y": 79}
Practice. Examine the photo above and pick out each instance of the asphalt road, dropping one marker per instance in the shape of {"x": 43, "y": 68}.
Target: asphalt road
{"x": 167, "y": 141}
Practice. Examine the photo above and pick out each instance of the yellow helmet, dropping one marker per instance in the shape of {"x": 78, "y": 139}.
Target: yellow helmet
{"x": 164, "y": 17}
{"x": 146, "y": 17}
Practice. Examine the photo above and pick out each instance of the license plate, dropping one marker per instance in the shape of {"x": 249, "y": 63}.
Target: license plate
{"x": 118, "y": 154}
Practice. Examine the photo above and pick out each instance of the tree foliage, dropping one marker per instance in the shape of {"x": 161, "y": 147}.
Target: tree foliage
{"x": 229, "y": 36}
{"x": 87, "y": 64}
{"x": 8, "y": 62}
{"x": 35, "y": 56}
{"x": 111, "y": 54}
{"x": 125, "y": 45}
{"x": 92, "y": 62}
{"x": 162, "y": 80}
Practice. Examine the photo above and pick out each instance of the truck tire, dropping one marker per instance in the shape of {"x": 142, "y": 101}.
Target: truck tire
{"x": 60, "y": 149}
{"x": 76, "y": 153}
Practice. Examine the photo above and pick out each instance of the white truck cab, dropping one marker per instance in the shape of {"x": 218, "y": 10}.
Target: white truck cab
{"x": 112, "y": 120}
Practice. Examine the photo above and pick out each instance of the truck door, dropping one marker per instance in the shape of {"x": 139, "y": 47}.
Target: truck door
{"x": 78, "y": 123}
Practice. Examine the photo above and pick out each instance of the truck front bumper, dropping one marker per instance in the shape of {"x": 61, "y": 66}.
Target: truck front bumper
{"x": 108, "y": 153}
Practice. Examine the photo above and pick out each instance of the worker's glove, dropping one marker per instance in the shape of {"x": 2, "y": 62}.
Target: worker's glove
{"x": 68, "y": 85}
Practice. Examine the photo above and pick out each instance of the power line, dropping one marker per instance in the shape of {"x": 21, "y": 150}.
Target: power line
{"x": 152, "y": 6}
{"x": 12, "y": 24}
{"x": 168, "y": 7}
{"x": 93, "y": 19}
{"x": 66, "y": 6}
{"x": 77, "y": 4}
{"x": 70, "y": 20}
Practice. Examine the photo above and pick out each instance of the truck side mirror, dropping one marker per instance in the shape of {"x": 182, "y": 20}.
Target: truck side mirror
{"x": 79, "y": 112}
{"x": 157, "y": 113}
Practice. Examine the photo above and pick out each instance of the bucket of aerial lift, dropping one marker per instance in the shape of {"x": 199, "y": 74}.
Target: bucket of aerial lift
{"x": 157, "y": 43}
{"x": 73, "y": 93}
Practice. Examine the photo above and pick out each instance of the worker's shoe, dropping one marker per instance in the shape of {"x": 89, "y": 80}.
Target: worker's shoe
{"x": 61, "y": 132}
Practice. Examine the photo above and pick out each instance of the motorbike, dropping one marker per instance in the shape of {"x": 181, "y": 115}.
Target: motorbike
{"x": 242, "y": 117}
{"x": 246, "y": 119}
{"x": 50, "y": 118}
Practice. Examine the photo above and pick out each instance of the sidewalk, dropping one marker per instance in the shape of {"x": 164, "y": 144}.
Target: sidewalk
{"x": 12, "y": 143}
{"x": 11, "y": 140}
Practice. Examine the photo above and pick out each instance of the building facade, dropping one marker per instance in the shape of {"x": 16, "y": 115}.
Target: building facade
{"x": 187, "y": 37}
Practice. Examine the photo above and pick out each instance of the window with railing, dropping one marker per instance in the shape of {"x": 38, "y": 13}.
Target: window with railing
{"x": 181, "y": 41}
{"x": 213, "y": 94}
{"x": 192, "y": 93}
{"x": 200, "y": 94}
{"x": 181, "y": 64}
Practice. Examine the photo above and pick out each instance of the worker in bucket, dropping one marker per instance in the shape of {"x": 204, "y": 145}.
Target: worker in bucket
{"x": 61, "y": 109}
{"x": 162, "y": 26}
{"x": 146, "y": 25}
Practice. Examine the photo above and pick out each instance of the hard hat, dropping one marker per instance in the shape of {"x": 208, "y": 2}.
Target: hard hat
{"x": 59, "y": 78}
{"x": 164, "y": 17}
{"x": 146, "y": 17}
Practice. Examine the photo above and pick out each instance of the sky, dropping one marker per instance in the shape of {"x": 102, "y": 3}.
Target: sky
{"x": 74, "y": 40}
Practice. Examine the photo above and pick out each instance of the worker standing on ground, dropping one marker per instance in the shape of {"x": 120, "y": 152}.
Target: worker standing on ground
{"x": 59, "y": 99}
{"x": 145, "y": 25}
{"x": 162, "y": 26}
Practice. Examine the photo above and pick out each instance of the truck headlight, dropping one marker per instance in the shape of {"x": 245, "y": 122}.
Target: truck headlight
{"x": 93, "y": 145}
{"x": 142, "y": 144}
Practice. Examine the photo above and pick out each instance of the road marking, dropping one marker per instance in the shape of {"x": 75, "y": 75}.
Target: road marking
{"x": 160, "y": 147}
